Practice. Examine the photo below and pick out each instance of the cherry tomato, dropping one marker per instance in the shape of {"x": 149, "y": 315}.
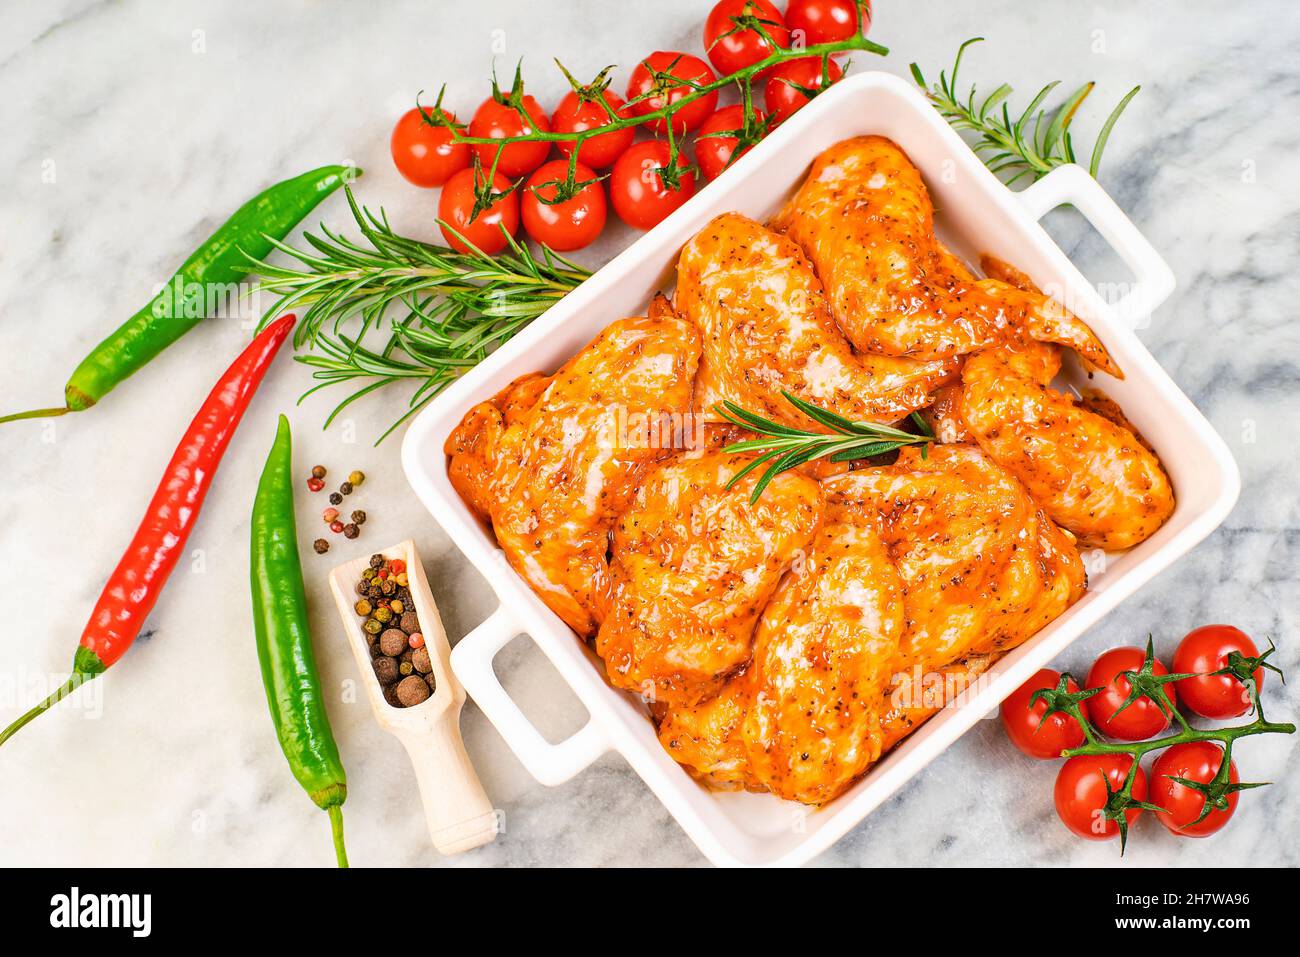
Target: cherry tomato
{"x": 457, "y": 202}
{"x": 1143, "y": 718}
{"x": 638, "y": 192}
{"x": 496, "y": 120}
{"x": 783, "y": 93}
{"x": 574, "y": 115}
{"x": 1080, "y": 793}
{"x": 424, "y": 154}
{"x": 683, "y": 66}
{"x": 824, "y": 21}
{"x": 1193, "y": 761}
{"x": 713, "y": 153}
{"x": 1204, "y": 650}
{"x": 564, "y": 226}
{"x": 729, "y": 52}
{"x": 1026, "y": 727}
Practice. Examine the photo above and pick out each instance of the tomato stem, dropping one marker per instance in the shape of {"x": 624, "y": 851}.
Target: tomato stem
{"x": 665, "y": 82}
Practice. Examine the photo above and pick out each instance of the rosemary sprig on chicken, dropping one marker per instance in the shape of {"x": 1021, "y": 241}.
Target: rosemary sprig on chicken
{"x": 786, "y": 447}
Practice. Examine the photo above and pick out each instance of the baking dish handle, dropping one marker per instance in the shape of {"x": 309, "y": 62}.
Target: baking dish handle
{"x": 1153, "y": 279}
{"x": 551, "y": 764}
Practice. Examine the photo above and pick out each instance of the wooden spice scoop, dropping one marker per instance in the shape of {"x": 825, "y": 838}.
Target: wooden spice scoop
{"x": 458, "y": 812}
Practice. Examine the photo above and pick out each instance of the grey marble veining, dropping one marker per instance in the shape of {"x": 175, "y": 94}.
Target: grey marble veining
{"x": 132, "y": 128}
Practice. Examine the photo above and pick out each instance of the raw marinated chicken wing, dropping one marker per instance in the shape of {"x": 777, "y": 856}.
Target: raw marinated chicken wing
{"x": 693, "y": 564}
{"x": 470, "y": 446}
{"x": 561, "y": 472}
{"x": 823, "y": 658}
{"x": 1093, "y": 476}
{"x": 865, "y": 219}
{"x": 706, "y": 738}
{"x": 766, "y": 328}
{"x": 982, "y": 566}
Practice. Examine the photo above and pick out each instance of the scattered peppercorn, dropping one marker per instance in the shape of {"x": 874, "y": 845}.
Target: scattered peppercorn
{"x": 315, "y": 484}
{"x": 351, "y": 531}
{"x": 321, "y": 546}
{"x": 329, "y": 515}
{"x": 363, "y": 608}
{"x": 318, "y": 471}
{"x": 336, "y": 526}
{"x": 346, "y": 488}
{"x": 356, "y": 477}
{"x": 359, "y": 517}
{"x": 336, "y": 498}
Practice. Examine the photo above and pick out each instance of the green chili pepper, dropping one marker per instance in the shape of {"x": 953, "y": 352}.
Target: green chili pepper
{"x": 210, "y": 275}
{"x": 293, "y": 688}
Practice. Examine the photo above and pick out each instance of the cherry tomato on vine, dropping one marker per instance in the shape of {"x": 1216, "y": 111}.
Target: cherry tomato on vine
{"x": 783, "y": 93}
{"x": 1205, "y": 650}
{"x": 456, "y": 204}
{"x": 574, "y": 115}
{"x": 424, "y": 154}
{"x": 571, "y": 224}
{"x": 713, "y": 153}
{"x": 731, "y": 51}
{"x": 637, "y": 190}
{"x": 682, "y": 66}
{"x": 1193, "y": 761}
{"x": 1028, "y": 730}
{"x": 1143, "y": 718}
{"x": 497, "y": 120}
{"x": 1080, "y": 793}
{"x": 825, "y": 21}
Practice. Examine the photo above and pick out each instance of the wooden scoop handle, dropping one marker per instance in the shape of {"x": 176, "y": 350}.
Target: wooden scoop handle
{"x": 458, "y": 812}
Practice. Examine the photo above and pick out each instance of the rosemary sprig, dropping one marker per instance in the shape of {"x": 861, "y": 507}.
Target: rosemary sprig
{"x": 1029, "y": 145}
{"x": 439, "y": 311}
{"x": 785, "y": 447}
{"x": 1145, "y": 682}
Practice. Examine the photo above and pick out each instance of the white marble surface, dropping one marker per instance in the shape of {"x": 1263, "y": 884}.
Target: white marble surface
{"x": 155, "y": 119}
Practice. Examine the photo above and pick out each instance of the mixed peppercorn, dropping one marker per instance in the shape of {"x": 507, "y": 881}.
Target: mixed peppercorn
{"x": 397, "y": 650}
{"x": 331, "y": 515}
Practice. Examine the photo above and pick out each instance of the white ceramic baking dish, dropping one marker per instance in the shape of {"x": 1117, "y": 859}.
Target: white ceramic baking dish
{"x": 977, "y": 214}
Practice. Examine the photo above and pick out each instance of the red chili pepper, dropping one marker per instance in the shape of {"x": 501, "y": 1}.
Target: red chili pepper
{"x": 133, "y": 588}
